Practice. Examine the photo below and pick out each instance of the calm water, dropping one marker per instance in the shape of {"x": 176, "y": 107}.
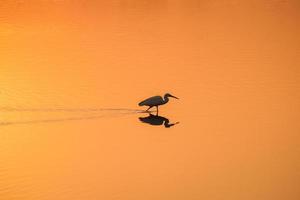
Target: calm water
{"x": 73, "y": 71}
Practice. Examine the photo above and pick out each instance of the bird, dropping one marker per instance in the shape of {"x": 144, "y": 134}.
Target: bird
{"x": 156, "y": 120}
{"x": 156, "y": 101}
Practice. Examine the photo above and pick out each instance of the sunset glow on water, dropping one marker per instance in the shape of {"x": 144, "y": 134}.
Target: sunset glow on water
{"x": 72, "y": 73}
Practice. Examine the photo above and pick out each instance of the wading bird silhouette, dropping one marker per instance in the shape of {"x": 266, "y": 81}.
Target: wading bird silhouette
{"x": 156, "y": 101}
{"x": 156, "y": 120}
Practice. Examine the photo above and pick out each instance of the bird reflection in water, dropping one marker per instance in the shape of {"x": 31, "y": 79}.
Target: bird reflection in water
{"x": 156, "y": 120}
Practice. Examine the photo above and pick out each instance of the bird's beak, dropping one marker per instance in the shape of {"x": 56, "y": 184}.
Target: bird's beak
{"x": 174, "y": 97}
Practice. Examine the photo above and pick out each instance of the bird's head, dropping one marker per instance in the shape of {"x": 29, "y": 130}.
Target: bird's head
{"x": 169, "y": 95}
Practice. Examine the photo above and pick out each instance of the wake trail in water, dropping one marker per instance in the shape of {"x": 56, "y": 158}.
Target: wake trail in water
{"x": 10, "y": 109}
{"x": 38, "y": 121}
{"x": 114, "y": 112}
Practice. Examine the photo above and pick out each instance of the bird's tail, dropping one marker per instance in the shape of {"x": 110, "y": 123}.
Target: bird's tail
{"x": 142, "y": 103}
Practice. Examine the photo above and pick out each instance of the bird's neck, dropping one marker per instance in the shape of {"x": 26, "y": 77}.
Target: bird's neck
{"x": 166, "y": 99}
{"x": 167, "y": 123}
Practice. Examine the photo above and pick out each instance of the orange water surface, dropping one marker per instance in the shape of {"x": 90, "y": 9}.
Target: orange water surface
{"x": 73, "y": 71}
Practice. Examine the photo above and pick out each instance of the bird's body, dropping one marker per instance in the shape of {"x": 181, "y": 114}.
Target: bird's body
{"x": 156, "y": 101}
{"x": 154, "y": 120}
{"x": 153, "y": 101}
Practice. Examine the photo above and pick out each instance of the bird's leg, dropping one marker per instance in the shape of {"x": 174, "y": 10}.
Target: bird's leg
{"x": 149, "y": 108}
{"x": 156, "y": 110}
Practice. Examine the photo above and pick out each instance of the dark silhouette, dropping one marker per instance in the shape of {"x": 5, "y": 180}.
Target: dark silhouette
{"x": 156, "y": 120}
{"x": 156, "y": 101}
